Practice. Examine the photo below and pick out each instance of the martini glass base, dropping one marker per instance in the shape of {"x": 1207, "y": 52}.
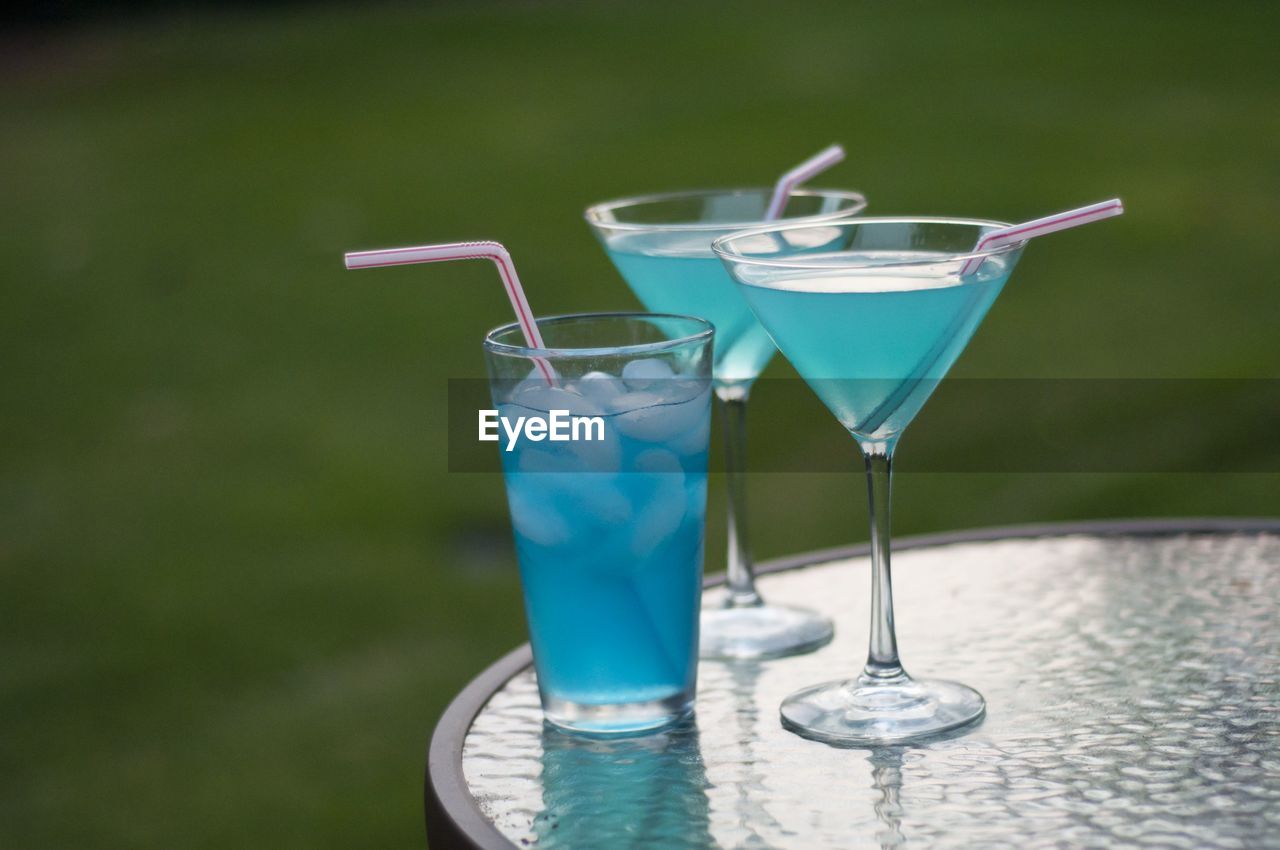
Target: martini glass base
{"x": 866, "y": 711}
{"x": 762, "y": 631}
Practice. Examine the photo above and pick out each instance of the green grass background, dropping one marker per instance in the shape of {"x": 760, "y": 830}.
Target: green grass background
{"x": 237, "y": 584}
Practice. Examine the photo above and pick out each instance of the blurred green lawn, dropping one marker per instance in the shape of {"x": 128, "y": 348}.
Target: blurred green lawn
{"x": 237, "y": 585}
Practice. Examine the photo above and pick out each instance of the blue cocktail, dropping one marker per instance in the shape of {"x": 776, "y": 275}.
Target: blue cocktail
{"x": 661, "y": 244}
{"x": 872, "y": 313}
{"x": 875, "y": 345}
{"x": 609, "y": 522}
{"x": 676, "y": 272}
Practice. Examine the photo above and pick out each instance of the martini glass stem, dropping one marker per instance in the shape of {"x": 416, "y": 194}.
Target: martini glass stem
{"x": 741, "y": 571}
{"x": 882, "y": 657}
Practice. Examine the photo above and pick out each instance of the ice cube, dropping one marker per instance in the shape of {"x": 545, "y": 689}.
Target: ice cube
{"x": 658, "y": 418}
{"x": 661, "y": 514}
{"x": 600, "y": 387}
{"x": 543, "y": 399}
{"x": 582, "y": 473}
{"x": 548, "y": 461}
{"x": 533, "y": 516}
{"x": 695, "y": 437}
{"x": 582, "y": 456}
{"x": 632, "y": 401}
{"x": 649, "y": 424}
{"x": 506, "y": 389}
{"x": 658, "y": 461}
{"x": 604, "y": 501}
{"x": 683, "y": 388}
{"x": 536, "y": 374}
{"x": 643, "y": 374}
{"x": 661, "y": 477}
{"x": 599, "y": 456}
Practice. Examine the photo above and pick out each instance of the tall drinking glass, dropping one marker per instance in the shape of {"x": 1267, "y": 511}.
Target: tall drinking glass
{"x": 661, "y": 244}
{"x": 608, "y": 506}
{"x": 872, "y": 313}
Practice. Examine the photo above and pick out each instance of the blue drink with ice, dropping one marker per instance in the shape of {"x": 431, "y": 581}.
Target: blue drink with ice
{"x": 609, "y": 534}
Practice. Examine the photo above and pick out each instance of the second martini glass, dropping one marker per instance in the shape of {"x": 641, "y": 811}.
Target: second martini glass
{"x": 872, "y": 313}
{"x": 661, "y": 244}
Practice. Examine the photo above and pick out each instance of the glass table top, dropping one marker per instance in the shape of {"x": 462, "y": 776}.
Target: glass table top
{"x": 1133, "y": 694}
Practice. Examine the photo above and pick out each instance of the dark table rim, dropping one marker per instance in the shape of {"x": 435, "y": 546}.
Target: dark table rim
{"x": 454, "y": 820}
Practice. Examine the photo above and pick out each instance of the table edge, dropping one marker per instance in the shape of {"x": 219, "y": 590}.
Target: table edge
{"x": 454, "y": 820}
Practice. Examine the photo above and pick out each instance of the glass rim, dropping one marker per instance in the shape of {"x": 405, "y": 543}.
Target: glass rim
{"x": 592, "y": 213}
{"x": 706, "y": 331}
{"x": 725, "y": 251}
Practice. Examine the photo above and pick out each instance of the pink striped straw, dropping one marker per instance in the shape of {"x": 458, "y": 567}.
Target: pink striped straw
{"x": 787, "y": 183}
{"x": 1039, "y": 227}
{"x": 465, "y": 251}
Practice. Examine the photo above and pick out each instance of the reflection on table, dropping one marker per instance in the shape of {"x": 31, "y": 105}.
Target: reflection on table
{"x": 1133, "y": 688}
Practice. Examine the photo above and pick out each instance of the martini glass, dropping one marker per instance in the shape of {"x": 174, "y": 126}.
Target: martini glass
{"x": 872, "y": 313}
{"x": 661, "y": 244}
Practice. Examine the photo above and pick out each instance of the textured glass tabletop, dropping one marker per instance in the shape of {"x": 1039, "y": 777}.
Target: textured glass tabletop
{"x": 1133, "y": 691}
